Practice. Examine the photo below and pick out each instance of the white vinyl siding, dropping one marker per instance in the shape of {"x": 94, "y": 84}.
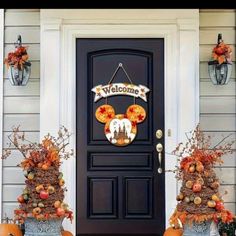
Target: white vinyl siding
{"x": 20, "y": 103}
{"x": 218, "y": 103}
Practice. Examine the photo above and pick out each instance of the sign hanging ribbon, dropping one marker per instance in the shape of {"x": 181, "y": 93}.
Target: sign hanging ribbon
{"x": 103, "y": 91}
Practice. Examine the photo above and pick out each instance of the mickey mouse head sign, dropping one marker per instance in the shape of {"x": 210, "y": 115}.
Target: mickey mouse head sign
{"x": 120, "y": 129}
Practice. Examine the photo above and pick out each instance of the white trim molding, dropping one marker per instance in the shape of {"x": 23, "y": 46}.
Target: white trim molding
{"x": 180, "y": 30}
{"x": 1, "y": 98}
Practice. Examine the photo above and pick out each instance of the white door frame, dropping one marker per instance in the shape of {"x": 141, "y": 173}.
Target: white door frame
{"x": 180, "y": 30}
{"x": 1, "y": 100}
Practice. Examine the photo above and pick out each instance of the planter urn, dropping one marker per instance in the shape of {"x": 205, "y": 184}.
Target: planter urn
{"x": 51, "y": 227}
{"x": 206, "y": 228}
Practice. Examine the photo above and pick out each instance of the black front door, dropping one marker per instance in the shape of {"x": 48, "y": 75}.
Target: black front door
{"x": 119, "y": 190}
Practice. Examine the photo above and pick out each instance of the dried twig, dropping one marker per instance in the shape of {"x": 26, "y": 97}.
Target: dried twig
{"x": 222, "y": 140}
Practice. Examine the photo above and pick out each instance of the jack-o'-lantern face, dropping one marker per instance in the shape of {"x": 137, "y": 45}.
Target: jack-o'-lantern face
{"x": 120, "y": 129}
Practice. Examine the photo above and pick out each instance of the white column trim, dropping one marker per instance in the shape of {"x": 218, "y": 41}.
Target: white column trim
{"x": 50, "y": 72}
{"x": 1, "y": 100}
{"x": 188, "y": 98}
{"x": 60, "y": 41}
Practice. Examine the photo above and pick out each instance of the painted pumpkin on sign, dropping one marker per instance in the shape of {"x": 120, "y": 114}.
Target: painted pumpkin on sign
{"x": 173, "y": 232}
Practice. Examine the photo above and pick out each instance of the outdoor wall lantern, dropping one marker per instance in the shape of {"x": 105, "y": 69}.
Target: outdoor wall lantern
{"x": 220, "y": 68}
{"x": 18, "y": 66}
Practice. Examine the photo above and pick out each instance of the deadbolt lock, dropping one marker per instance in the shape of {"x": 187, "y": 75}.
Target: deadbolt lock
{"x": 159, "y": 133}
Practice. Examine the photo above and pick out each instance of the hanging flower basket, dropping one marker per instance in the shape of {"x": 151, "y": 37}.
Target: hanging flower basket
{"x": 220, "y": 67}
{"x": 18, "y": 66}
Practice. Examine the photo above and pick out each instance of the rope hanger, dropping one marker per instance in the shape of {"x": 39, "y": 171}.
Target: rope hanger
{"x": 120, "y": 66}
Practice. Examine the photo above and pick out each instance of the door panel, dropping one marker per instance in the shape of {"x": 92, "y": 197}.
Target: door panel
{"x": 138, "y": 197}
{"x": 116, "y": 161}
{"x": 108, "y": 60}
{"x": 118, "y": 188}
{"x": 102, "y": 200}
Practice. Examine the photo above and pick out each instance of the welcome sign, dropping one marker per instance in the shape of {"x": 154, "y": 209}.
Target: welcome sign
{"x": 103, "y": 91}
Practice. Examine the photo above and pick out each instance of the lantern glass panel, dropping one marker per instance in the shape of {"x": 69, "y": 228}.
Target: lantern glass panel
{"x": 219, "y": 74}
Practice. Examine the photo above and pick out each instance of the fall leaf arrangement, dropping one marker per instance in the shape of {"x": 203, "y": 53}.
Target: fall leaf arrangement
{"x": 18, "y": 58}
{"x": 222, "y": 53}
{"x": 43, "y": 195}
{"x": 199, "y": 199}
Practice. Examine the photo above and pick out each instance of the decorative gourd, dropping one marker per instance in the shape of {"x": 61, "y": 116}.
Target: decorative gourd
{"x": 9, "y": 229}
{"x": 66, "y": 233}
{"x": 173, "y": 232}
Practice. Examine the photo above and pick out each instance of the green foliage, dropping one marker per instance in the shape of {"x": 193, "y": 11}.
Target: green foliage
{"x": 228, "y": 229}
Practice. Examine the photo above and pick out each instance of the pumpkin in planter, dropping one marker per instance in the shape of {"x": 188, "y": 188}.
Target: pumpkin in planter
{"x": 173, "y": 232}
{"x": 8, "y": 228}
{"x": 66, "y": 233}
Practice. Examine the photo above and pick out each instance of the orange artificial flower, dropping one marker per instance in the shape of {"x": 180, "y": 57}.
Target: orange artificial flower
{"x": 17, "y": 58}
{"x": 47, "y": 143}
{"x": 222, "y": 53}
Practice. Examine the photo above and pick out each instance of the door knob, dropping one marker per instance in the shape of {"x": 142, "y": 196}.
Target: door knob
{"x": 159, "y": 148}
{"x": 159, "y": 134}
